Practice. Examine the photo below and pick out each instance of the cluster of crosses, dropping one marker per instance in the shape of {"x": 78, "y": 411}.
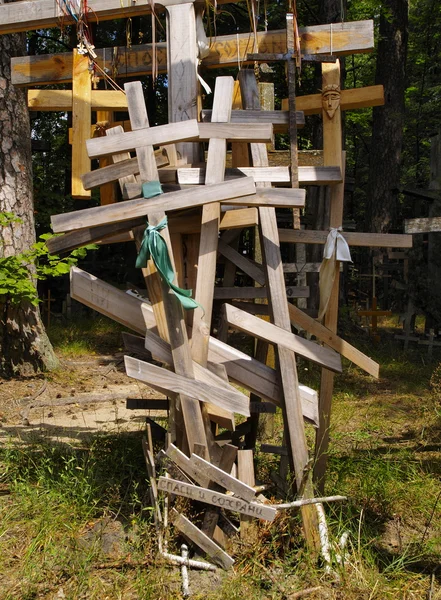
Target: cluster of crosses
{"x": 207, "y": 205}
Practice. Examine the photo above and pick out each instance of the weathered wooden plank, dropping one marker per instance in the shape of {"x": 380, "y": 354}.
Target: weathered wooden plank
{"x": 40, "y": 14}
{"x": 348, "y": 38}
{"x": 186, "y": 465}
{"x": 236, "y": 132}
{"x": 153, "y": 136}
{"x": 421, "y": 225}
{"x": 307, "y": 175}
{"x": 101, "y": 215}
{"x": 61, "y": 100}
{"x": 245, "y": 471}
{"x": 201, "y": 540}
{"x": 278, "y": 118}
{"x": 253, "y": 509}
{"x": 379, "y": 240}
{"x": 225, "y": 480}
{"x": 226, "y": 293}
{"x": 161, "y": 351}
{"x": 241, "y": 368}
{"x": 271, "y": 449}
{"x": 231, "y": 399}
{"x": 276, "y": 335}
{"x": 301, "y": 267}
{"x": 331, "y": 339}
{"x": 247, "y": 266}
{"x": 90, "y": 235}
{"x": 206, "y": 271}
{"x": 230, "y": 219}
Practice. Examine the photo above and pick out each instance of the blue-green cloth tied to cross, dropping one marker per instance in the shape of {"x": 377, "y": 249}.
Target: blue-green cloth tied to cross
{"x": 155, "y": 247}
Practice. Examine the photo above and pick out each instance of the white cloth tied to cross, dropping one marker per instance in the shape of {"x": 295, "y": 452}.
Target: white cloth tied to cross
{"x": 336, "y": 250}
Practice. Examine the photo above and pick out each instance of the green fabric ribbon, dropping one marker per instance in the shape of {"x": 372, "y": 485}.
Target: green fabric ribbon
{"x": 155, "y": 247}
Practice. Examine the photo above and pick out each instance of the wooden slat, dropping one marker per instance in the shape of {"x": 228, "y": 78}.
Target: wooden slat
{"x": 206, "y": 269}
{"x": 61, "y": 100}
{"x": 123, "y": 211}
{"x": 278, "y": 118}
{"x": 351, "y": 99}
{"x": 253, "y": 509}
{"x": 240, "y": 489}
{"x": 161, "y": 351}
{"x": 250, "y": 324}
{"x": 307, "y": 175}
{"x": 201, "y": 540}
{"x": 186, "y": 465}
{"x": 231, "y": 219}
{"x": 127, "y": 310}
{"x": 331, "y": 339}
{"x": 348, "y": 38}
{"x": 231, "y": 399}
{"x": 225, "y": 293}
{"x": 379, "y": 240}
{"x": 236, "y": 132}
{"x": 247, "y": 266}
{"x": 154, "y": 136}
{"x": 428, "y": 225}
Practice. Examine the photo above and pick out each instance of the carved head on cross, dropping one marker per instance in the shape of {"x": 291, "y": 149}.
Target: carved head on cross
{"x": 331, "y": 99}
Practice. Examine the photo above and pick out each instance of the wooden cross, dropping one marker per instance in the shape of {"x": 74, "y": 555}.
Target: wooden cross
{"x": 373, "y": 314}
{"x": 430, "y": 343}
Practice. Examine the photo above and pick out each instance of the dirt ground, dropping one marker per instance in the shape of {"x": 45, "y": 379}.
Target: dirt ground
{"x": 84, "y": 396}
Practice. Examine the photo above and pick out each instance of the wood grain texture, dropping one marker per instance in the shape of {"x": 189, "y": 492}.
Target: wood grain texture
{"x": 307, "y": 175}
{"x": 81, "y": 123}
{"x": 102, "y": 215}
{"x": 236, "y": 132}
{"x": 198, "y": 537}
{"x": 277, "y": 118}
{"x": 379, "y": 240}
{"x": 276, "y": 335}
{"x": 127, "y": 310}
{"x": 224, "y": 50}
{"x": 154, "y": 136}
{"x": 230, "y": 400}
{"x": 61, "y": 100}
{"x": 226, "y": 293}
{"x": 225, "y": 480}
{"x": 253, "y": 509}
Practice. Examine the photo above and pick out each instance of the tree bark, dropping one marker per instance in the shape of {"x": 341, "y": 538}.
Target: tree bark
{"x": 387, "y": 125}
{"x": 24, "y": 346}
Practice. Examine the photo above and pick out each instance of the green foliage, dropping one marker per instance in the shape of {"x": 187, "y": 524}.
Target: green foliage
{"x": 18, "y": 272}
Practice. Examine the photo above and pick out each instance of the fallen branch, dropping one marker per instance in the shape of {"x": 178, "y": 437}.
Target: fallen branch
{"x": 305, "y": 501}
{"x": 303, "y": 593}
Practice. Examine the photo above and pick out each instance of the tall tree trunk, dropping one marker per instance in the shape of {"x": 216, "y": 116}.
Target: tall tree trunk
{"x": 24, "y": 345}
{"x": 387, "y": 124}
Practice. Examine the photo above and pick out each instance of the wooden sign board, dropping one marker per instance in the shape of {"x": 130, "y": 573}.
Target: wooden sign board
{"x": 252, "y": 509}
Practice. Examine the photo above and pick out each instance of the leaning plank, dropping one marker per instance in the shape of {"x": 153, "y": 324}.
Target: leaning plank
{"x": 253, "y": 509}
{"x": 161, "y": 351}
{"x": 185, "y": 464}
{"x": 223, "y": 479}
{"x": 110, "y": 173}
{"x": 322, "y": 333}
{"x": 241, "y": 368}
{"x": 201, "y": 540}
{"x": 154, "y": 136}
{"x": 90, "y": 235}
{"x": 227, "y": 293}
{"x": 123, "y": 211}
{"x": 379, "y": 240}
{"x": 276, "y": 335}
{"x": 307, "y": 175}
{"x": 429, "y": 225}
{"x": 231, "y": 399}
{"x": 347, "y": 38}
{"x": 245, "y": 264}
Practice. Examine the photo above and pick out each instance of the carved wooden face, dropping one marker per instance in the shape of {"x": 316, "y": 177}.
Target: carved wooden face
{"x": 330, "y": 100}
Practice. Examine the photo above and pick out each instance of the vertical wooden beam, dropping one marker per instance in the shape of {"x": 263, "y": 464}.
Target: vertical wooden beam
{"x": 215, "y": 172}
{"x": 182, "y": 63}
{"x": 81, "y": 123}
{"x": 191, "y": 410}
{"x": 275, "y": 281}
{"x": 332, "y": 151}
{"x": 245, "y": 472}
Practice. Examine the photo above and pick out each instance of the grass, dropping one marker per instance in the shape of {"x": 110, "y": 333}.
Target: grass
{"x": 384, "y": 455}
{"x": 93, "y": 335}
